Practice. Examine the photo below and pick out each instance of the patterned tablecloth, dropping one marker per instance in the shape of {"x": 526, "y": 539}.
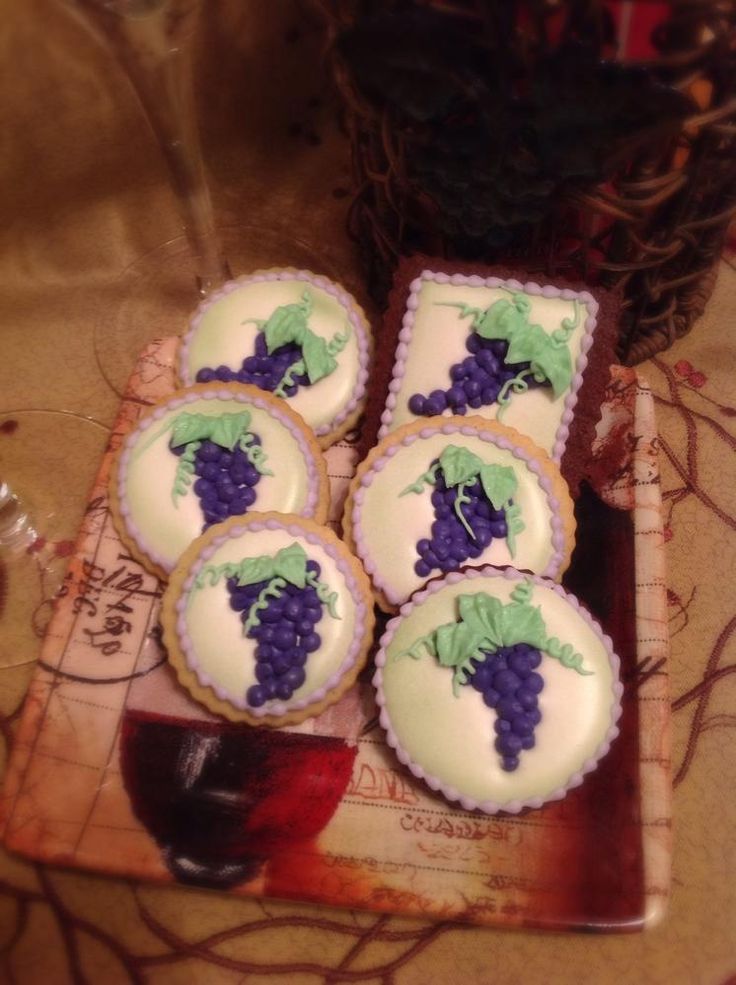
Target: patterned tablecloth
{"x": 85, "y": 196}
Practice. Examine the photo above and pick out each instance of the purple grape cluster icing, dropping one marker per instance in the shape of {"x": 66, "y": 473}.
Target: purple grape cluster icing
{"x": 285, "y": 635}
{"x": 222, "y": 458}
{"x": 281, "y": 601}
{"x": 509, "y": 683}
{"x": 287, "y": 353}
{"x": 507, "y": 354}
{"x": 226, "y": 480}
{"x": 475, "y": 382}
{"x": 264, "y": 369}
{"x": 472, "y": 505}
{"x": 498, "y": 649}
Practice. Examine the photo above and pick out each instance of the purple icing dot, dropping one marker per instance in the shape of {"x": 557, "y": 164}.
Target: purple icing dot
{"x": 298, "y": 656}
{"x": 508, "y": 744}
{"x": 491, "y": 697}
{"x": 295, "y": 677}
{"x": 534, "y": 682}
{"x": 280, "y": 663}
{"x": 508, "y": 707}
{"x": 416, "y": 404}
{"x": 519, "y": 663}
{"x": 284, "y": 637}
{"x": 521, "y": 725}
{"x": 506, "y": 682}
{"x": 526, "y": 698}
{"x": 264, "y": 672}
{"x": 256, "y": 695}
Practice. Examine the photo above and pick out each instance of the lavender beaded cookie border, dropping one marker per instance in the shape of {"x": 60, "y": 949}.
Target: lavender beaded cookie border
{"x": 474, "y": 280}
{"x": 434, "y": 782}
{"x": 346, "y": 301}
{"x": 344, "y": 565}
{"x": 218, "y": 392}
{"x": 555, "y": 563}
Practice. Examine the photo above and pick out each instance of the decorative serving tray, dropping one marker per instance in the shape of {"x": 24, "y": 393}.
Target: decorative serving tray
{"x": 116, "y": 769}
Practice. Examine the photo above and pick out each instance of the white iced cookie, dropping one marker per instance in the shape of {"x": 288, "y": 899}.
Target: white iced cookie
{"x": 293, "y": 333}
{"x": 498, "y": 689}
{"x": 267, "y": 620}
{"x": 207, "y": 453}
{"x": 444, "y": 493}
{"x": 495, "y": 347}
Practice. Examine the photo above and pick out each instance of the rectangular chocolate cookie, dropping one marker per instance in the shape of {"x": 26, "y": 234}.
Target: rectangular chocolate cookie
{"x": 459, "y": 338}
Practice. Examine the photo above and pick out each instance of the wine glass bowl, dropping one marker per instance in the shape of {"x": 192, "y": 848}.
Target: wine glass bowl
{"x": 155, "y": 296}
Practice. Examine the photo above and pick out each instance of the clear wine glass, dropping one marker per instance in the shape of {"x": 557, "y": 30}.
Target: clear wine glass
{"x": 48, "y": 459}
{"x": 152, "y": 42}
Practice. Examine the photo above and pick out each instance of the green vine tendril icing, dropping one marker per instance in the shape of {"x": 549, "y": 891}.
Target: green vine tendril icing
{"x": 461, "y": 468}
{"x": 289, "y": 324}
{"x": 548, "y": 355}
{"x": 487, "y": 625}
{"x": 287, "y": 566}
{"x": 185, "y": 471}
{"x": 225, "y": 430}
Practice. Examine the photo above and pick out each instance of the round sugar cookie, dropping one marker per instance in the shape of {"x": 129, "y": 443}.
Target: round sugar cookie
{"x": 497, "y": 689}
{"x": 291, "y": 332}
{"x": 204, "y": 454}
{"x": 267, "y": 619}
{"x": 437, "y": 495}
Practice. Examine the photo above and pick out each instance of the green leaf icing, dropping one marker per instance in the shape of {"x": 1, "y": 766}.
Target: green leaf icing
{"x": 461, "y": 468}
{"x": 485, "y": 614}
{"x": 228, "y": 428}
{"x": 223, "y": 429}
{"x": 317, "y": 360}
{"x": 499, "y": 484}
{"x": 548, "y": 355}
{"x": 289, "y": 563}
{"x": 459, "y": 465}
{"x": 287, "y": 566}
{"x": 504, "y": 319}
{"x": 289, "y": 323}
{"x": 485, "y": 625}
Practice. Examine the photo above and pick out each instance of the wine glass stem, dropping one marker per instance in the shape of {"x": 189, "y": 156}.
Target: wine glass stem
{"x": 166, "y": 93}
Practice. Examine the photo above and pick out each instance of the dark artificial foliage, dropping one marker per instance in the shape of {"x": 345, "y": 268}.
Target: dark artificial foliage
{"x": 491, "y": 148}
{"x": 522, "y": 133}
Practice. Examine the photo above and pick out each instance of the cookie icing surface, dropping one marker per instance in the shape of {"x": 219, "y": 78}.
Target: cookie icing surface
{"x": 387, "y": 524}
{"x": 162, "y": 524}
{"x": 224, "y": 329}
{"x": 211, "y": 633}
{"x": 433, "y": 339}
{"x": 447, "y": 738}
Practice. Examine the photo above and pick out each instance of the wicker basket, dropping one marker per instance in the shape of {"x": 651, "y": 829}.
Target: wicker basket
{"x": 652, "y": 221}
